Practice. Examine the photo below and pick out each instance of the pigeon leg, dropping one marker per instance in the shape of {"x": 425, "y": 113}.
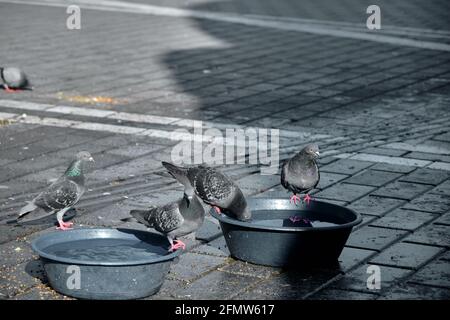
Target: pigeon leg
{"x": 8, "y": 89}
{"x": 63, "y": 225}
{"x": 177, "y": 244}
{"x": 307, "y": 198}
{"x": 217, "y": 210}
{"x": 294, "y": 198}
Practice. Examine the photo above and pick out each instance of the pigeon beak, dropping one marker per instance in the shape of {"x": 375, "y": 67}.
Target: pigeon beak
{"x": 317, "y": 153}
{"x": 91, "y": 159}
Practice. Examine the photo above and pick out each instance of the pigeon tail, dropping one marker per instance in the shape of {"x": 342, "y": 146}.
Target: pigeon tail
{"x": 27, "y": 209}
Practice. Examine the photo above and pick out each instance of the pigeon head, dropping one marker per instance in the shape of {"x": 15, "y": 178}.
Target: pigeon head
{"x": 312, "y": 150}
{"x": 84, "y": 156}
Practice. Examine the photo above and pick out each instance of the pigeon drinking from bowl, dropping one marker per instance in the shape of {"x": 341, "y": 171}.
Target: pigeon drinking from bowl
{"x": 14, "y": 79}
{"x": 60, "y": 196}
{"x": 174, "y": 220}
{"x": 300, "y": 174}
{"x": 213, "y": 187}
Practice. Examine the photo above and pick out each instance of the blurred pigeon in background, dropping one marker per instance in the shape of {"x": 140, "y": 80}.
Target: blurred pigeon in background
{"x": 214, "y": 188}
{"x": 174, "y": 220}
{"x": 60, "y": 196}
{"x": 14, "y": 79}
{"x": 300, "y": 174}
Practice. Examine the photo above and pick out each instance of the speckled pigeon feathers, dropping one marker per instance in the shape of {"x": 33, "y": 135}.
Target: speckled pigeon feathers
{"x": 63, "y": 193}
{"x": 213, "y": 187}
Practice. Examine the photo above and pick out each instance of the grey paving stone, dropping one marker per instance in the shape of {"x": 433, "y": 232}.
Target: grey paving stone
{"x": 374, "y": 238}
{"x": 210, "y": 250}
{"x": 289, "y": 285}
{"x": 192, "y": 265}
{"x": 429, "y": 202}
{"x": 350, "y": 257}
{"x": 435, "y": 274}
{"x": 428, "y": 156}
{"x": 215, "y": 285}
{"x": 385, "y": 151}
{"x": 15, "y": 252}
{"x": 433, "y": 234}
{"x": 416, "y": 292}
{"x": 376, "y": 206}
{"x": 344, "y": 192}
{"x": 402, "y": 190}
{"x": 215, "y": 247}
{"x": 443, "y": 137}
{"x": 42, "y": 292}
{"x": 393, "y": 168}
{"x": 444, "y": 219}
{"x": 346, "y": 166}
{"x": 248, "y": 269}
{"x": 209, "y": 230}
{"x": 20, "y": 278}
{"x": 403, "y": 219}
{"x": 427, "y": 176}
{"x": 327, "y": 179}
{"x": 257, "y": 183}
{"x": 443, "y": 188}
{"x": 406, "y": 255}
{"x": 165, "y": 292}
{"x": 17, "y": 187}
{"x": 357, "y": 279}
{"x": 109, "y": 215}
{"x": 373, "y": 178}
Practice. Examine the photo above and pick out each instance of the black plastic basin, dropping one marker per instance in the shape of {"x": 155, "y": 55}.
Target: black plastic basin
{"x": 277, "y": 236}
{"x": 105, "y": 263}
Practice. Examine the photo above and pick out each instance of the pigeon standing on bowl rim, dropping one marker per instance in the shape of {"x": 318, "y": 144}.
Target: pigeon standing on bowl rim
{"x": 300, "y": 174}
{"x": 174, "y": 220}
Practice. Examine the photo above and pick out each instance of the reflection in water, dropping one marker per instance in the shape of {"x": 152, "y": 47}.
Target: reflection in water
{"x": 106, "y": 250}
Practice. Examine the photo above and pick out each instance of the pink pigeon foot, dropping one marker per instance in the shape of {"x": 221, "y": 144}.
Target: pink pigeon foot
{"x": 294, "y": 198}
{"x": 307, "y": 198}
{"x": 64, "y": 225}
{"x": 217, "y": 210}
{"x": 176, "y": 245}
{"x": 8, "y": 89}
{"x": 295, "y": 219}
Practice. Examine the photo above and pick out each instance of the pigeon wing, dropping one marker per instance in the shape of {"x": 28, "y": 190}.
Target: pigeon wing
{"x": 214, "y": 187}
{"x": 63, "y": 193}
{"x": 167, "y": 218}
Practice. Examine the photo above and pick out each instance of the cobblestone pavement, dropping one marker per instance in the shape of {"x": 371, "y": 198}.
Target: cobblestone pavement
{"x": 379, "y": 111}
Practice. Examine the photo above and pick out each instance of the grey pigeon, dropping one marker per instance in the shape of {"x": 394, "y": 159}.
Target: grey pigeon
{"x": 14, "y": 78}
{"x": 60, "y": 196}
{"x": 300, "y": 174}
{"x": 214, "y": 188}
{"x": 174, "y": 220}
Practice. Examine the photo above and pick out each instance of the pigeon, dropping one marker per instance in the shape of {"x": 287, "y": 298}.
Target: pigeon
{"x": 300, "y": 174}
{"x": 174, "y": 220}
{"x": 60, "y": 196}
{"x": 14, "y": 79}
{"x": 214, "y": 188}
